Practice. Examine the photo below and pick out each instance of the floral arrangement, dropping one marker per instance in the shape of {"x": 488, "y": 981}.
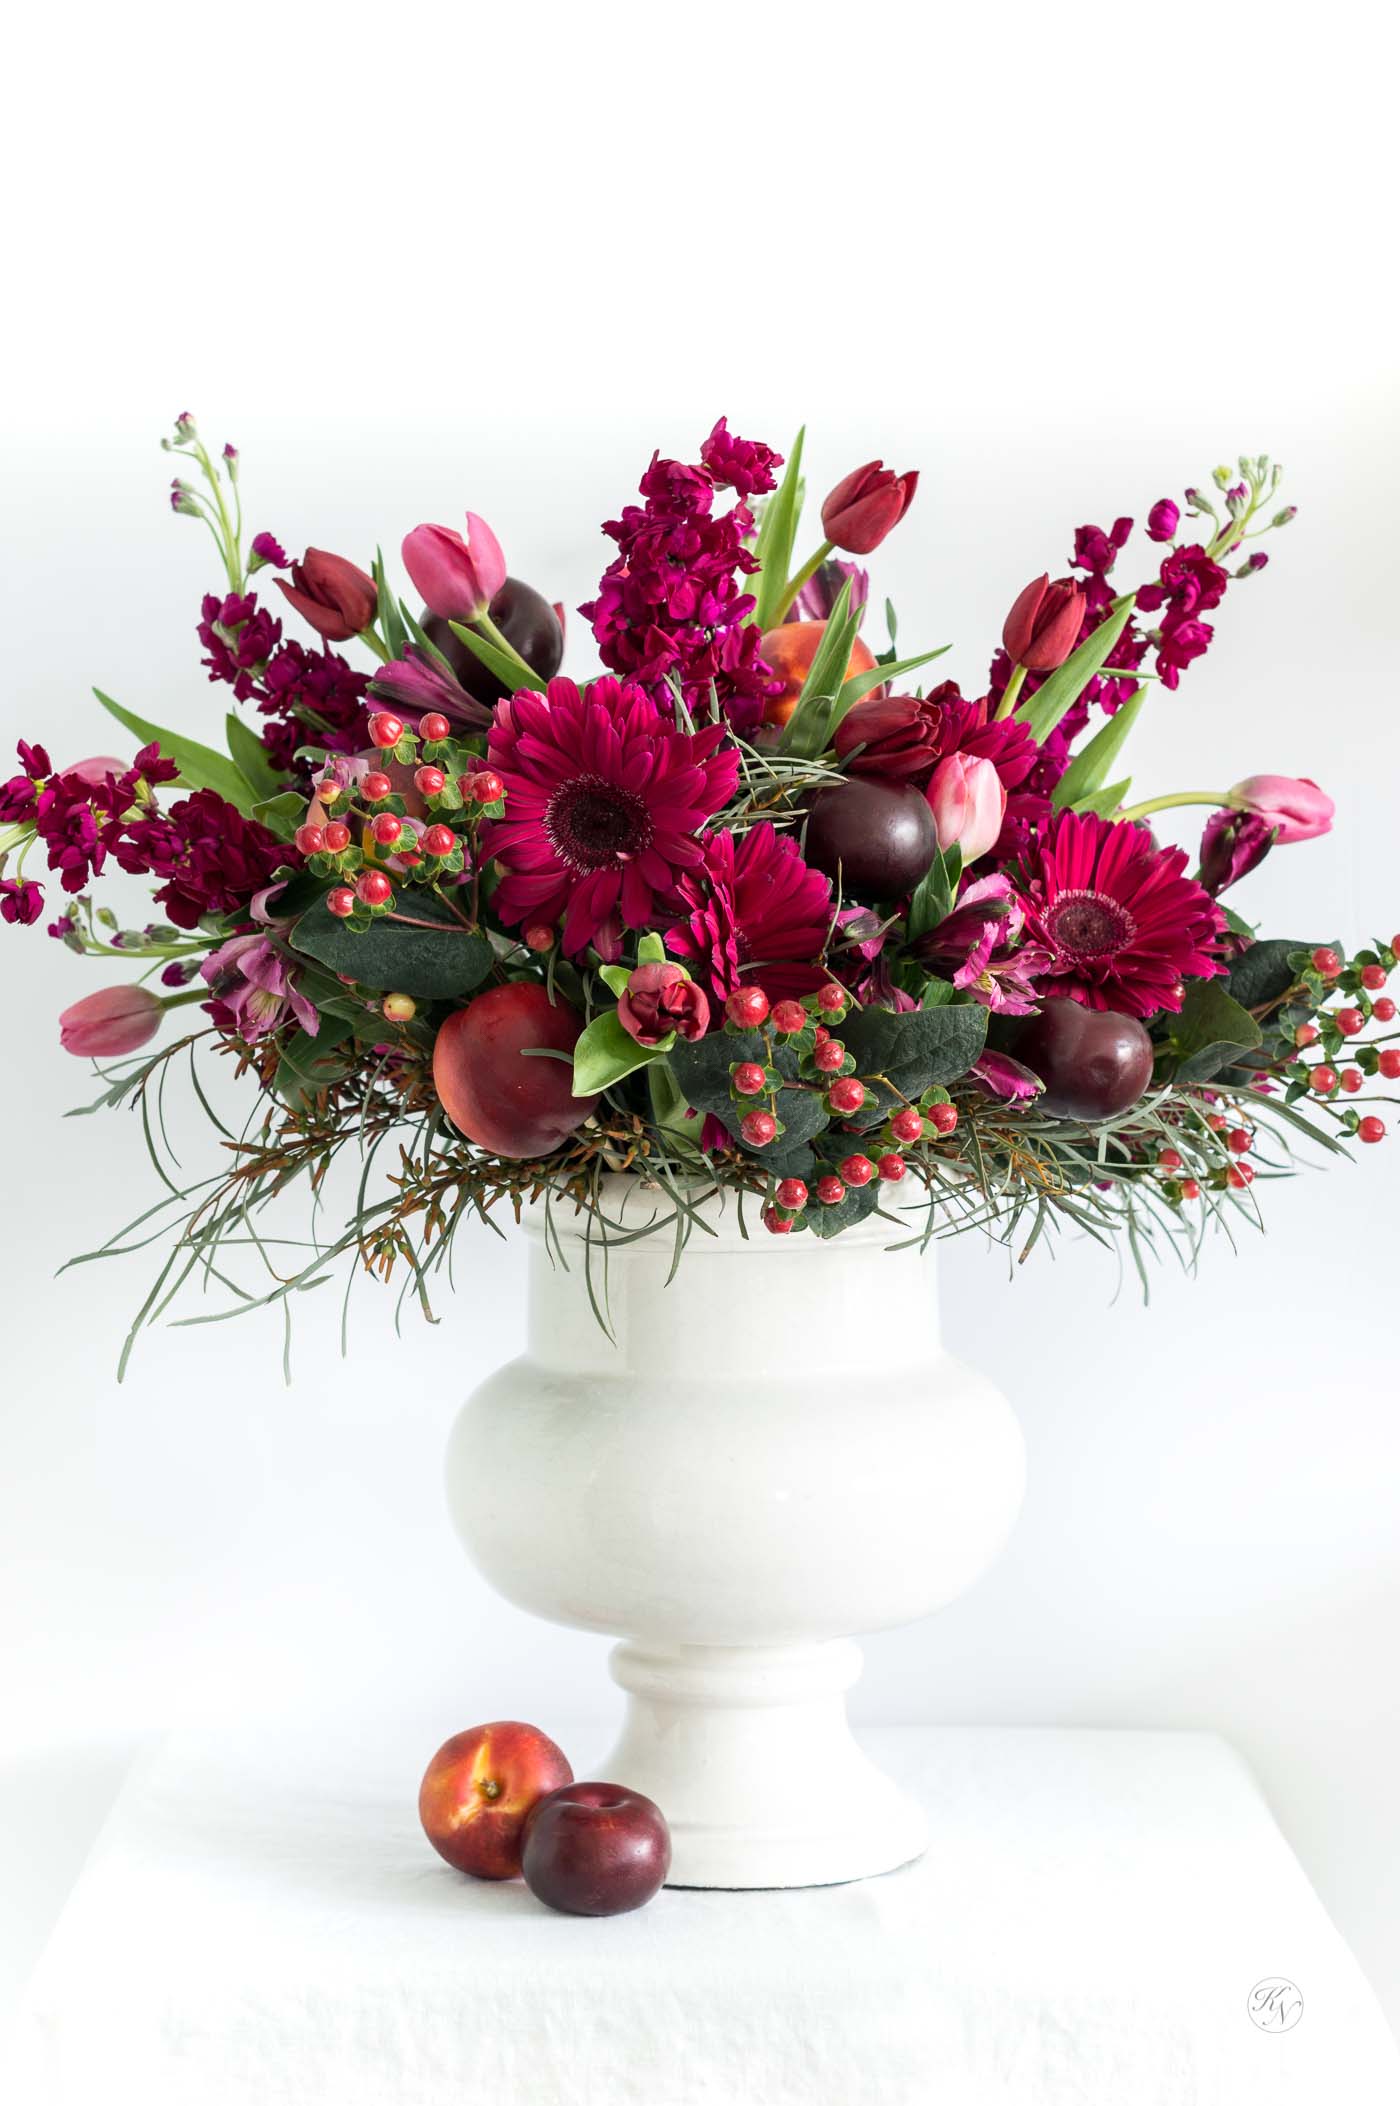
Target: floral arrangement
{"x": 749, "y": 910}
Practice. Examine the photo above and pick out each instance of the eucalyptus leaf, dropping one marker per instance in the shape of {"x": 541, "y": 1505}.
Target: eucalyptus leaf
{"x": 393, "y": 956}
{"x": 1264, "y": 974}
{"x": 1090, "y": 767}
{"x": 1210, "y": 1033}
{"x": 701, "y": 1069}
{"x": 201, "y": 768}
{"x": 859, "y": 1202}
{"x": 1044, "y": 709}
{"x": 915, "y": 1049}
{"x": 605, "y": 1052}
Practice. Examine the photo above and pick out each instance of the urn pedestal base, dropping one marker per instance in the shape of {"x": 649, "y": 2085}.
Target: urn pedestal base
{"x": 748, "y": 1751}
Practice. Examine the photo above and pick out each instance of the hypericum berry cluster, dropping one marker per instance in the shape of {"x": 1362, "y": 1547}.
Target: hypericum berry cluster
{"x": 369, "y": 825}
{"x": 1341, "y": 1062}
{"x": 788, "y": 1029}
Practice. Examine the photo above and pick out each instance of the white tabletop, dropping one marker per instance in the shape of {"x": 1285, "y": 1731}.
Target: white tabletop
{"x": 262, "y": 1922}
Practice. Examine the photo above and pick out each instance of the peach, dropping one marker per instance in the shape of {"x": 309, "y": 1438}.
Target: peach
{"x": 479, "y": 1789}
{"x": 790, "y": 649}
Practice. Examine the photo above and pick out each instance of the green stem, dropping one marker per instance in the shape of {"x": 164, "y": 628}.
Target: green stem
{"x": 493, "y": 635}
{"x": 192, "y": 994}
{"x": 1013, "y": 689}
{"x": 795, "y": 584}
{"x": 369, "y": 637}
{"x": 1219, "y": 798}
{"x": 233, "y": 561}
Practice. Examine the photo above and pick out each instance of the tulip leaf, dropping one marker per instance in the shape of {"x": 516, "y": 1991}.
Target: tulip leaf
{"x": 773, "y": 546}
{"x": 391, "y": 622}
{"x": 201, "y": 768}
{"x": 605, "y": 1052}
{"x": 1210, "y": 1033}
{"x": 394, "y": 956}
{"x": 1104, "y": 803}
{"x": 281, "y": 815}
{"x": 933, "y": 896}
{"x": 1062, "y": 689}
{"x": 808, "y": 730}
{"x": 250, "y": 758}
{"x": 1089, "y": 769}
{"x": 508, "y": 666}
{"x": 861, "y": 684}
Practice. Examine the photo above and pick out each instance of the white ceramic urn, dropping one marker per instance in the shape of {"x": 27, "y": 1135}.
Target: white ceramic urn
{"x": 769, "y": 1454}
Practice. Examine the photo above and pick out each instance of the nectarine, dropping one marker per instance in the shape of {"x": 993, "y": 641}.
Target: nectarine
{"x": 478, "y": 1790}
{"x": 789, "y": 650}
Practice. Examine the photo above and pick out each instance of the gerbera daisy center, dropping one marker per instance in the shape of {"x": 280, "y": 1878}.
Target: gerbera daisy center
{"x": 1089, "y": 924}
{"x": 593, "y": 825}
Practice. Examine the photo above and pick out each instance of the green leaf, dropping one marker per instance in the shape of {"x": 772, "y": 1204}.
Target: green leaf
{"x": 605, "y": 1052}
{"x": 615, "y": 978}
{"x": 1263, "y": 974}
{"x": 392, "y": 956}
{"x": 309, "y": 1064}
{"x": 860, "y": 684}
{"x": 860, "y": 1200}
{"x": 512, "y": 671}
{"x": 914, "y": 1050}
{"x": 808, "y": 730}
{"x": 1211, "y": 1031}
{"x": 933, "y": 896}
{"x": 777, "y": 532}
{"x": 701, "y": 1069}
{"x": 1104, "y": 803}
{"x": 201, "y": 768}
{"x": 281, "y": 815}
{"x": 250, "y": 758}
{"x": 651, "y": 950}
{"x": 391, "y": 623}
{"x": 1089, "y": 769}
{"x": 1044, "y": 709}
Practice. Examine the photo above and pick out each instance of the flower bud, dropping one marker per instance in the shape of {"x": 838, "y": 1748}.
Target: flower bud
{"x": 891, "y": 735}
{"x": 1281, "y": 519}
{"x": 1044, "y": 623}
{"x": 113, "y": 1021}
{"x": 1163, "y": 520}
{"x": 1233, "y": 844}
{"x": 1294, "y": 805}
{"x": 968, "y": 800}
{"x": 266, "y": 548}
{"x": 333, "y": 595}
{"x": 866, "y": 505}
{"x": 457, "y": 579}
{"x": 662, "y": 998}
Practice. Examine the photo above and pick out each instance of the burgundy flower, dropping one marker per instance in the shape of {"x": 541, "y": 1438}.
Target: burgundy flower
{"x": 419, "y": 682}
{"x": 210, "y": 858}
{"x": 742, "y": 465}
{"x": 757, "y": 911}
{"x": 311, "y": 698}
{"x": 1043, "y": 626}
{"x": 1124, "y": 925}
{"x": 1163, "y": 520}
{"x": 866, "y": 505}
{"x": 1178, "y": 644}
{"x": 19, "y": 796}
{"x": 662, "y": 998}
{"x": 267, "y": 548}
{"x": 335, "y": 596}
{"x": 21, "y": 900}
{"x": 1233, "y": 844}
{"x": 1190, "y": 580}
{"x": 897, "y": 736}
{"x": 604, "y": 799}
{"x": 238, "y": 637}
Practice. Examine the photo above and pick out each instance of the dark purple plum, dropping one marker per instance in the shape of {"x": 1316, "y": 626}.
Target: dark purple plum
{"x": 595, "y": 1849}
{"x": 877, "y": 835}
{"x": 1094, "y": 1063}
{"x": 525, "y": 619}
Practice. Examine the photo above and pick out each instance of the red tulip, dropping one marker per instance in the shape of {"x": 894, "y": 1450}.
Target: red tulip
{"x": 1043, "y": 626}
{"x": 332, "y": 594}
{"x": 865, "y": 505}
{"x": 663, "y": 998}
{"x": 113, "y": 1021}
{"x": 457, "y": 578}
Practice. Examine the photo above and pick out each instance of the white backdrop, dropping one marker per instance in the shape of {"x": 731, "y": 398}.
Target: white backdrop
{"x": 1061, "y": 268}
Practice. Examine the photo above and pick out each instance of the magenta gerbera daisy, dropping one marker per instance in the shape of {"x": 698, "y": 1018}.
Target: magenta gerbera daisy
{"x": 757, "y": 910}
{"x": 1123, "y": 925}
{"x": 604, "y": 800}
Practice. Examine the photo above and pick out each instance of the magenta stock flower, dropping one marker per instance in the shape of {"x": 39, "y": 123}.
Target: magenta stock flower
{"x": 743, "y": 465}
{"x": 255, "y": 988}
{"x": 757, "y": 911}
{"x": 113, "y": 1021}
{"x": 1124, "y": 926}
{"x": 335, "y": 596}
{"x": 310, "y": 698}
{"x": 1292, "y": 805}
{"x": 238, "y": 637}
{"x": 456, "y": 577}
{"x": 866, "y": 505}
{"x": 1163, "y": 520}
{"x": 266, "y": 548}
{"x": 21, "y": 901}
{"x": 210, "y": 858}
{"x": 662, "y": 998}
{"x": 604, "y": 799}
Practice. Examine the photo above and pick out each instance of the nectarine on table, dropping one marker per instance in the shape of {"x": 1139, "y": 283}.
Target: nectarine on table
{"x": 479, "y": 1789}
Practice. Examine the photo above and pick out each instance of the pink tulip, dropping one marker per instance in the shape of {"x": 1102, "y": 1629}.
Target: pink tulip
{"x": 93, "y": 773}
{"x": 1292, "y": 803}
{"x": 968, "y": 802}
{"x": 115, "y": 1020}
{"x": 457, "y": 579}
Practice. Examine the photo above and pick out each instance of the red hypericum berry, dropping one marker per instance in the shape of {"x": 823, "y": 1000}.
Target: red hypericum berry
{"x": 433, "y": 726}
{"x": 374, "y": 887}
{"x": 747, "y": 1007}
{"x": 1323, "y": 1080}
{"x": 1383, "y": 1010}
{"x": 788, "y": 1017}
{"x": 1216, "y": 1121}
{"x": 340, "y": 901}
{"x": 376, "y": 787}
{"x": 1371, "y": 1128}
{"x": 758, "y": 1128}
{"x": 1189, "y": 1188}
{"x": 892, "y": 1168}
{"x": 487, "y": 786}
{"x": 1389, "y": 1063}
{"x": 337, "y": 836}
{"x": 310, "y": 839}
{"x": 832, "y": 999}
{"x": 399, "y": 1008}
{"x": 1352, "y": 1079}
{"x": 777, "y": 1224}
{"x": 410, "y": 858}
{"x": 1170, "y": 1159}
{"x": 328, "y": 789}
{"x": 1326, "y": 961}
{"x": 792, "y": 1194}
{"x": 385, "y": 729}
{"x": 846, "y": 1095}
{"x": 830, "y": 1191}
{"x": 857, "y": 1169}
{"x": 438, "y": 840}
{"x": 1239, "y": 1175}
{"x": 539, "y": 937}
{"x": 386, "y": 829}
{"x": 943, "y": 1118}
{"x": 431, "y": 781}
{"x": 907, "y": 1125}
{"x": 829, "y": 1056}
{"x": 1305, "y": 1035}
{"x": 1349, "y": 1022}
{"x": 467, "y": 786}
{"x": 1374, "y": 976}
{"x": 1237, "y": 1141}
{"x": 749, "y": 1079}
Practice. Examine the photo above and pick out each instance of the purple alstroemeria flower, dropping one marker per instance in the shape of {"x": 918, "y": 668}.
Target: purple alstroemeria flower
{"x": 981, "y": 941}
{"x": 418, "y": 682}
{"x": 1001, "y": 1076}
{"x": 822, "y": 590}
{"x": 254, "y": 988}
